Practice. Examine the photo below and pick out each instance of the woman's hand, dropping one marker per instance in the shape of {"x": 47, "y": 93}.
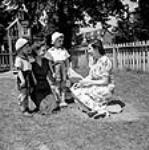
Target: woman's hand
{"x": 85, "y": 82}
{"x": 82, "y": 83}
{"x": 76, "y": 85}
{"x": 89, "y": 82}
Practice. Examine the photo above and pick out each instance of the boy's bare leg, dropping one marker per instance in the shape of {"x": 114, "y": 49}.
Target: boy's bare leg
{"x": 63, "y": 94}
{"x": 58, "y": 72}
{"x": 64, "y": 72}
{"x": 22, "y": 104}
{"x": 23, "y": 101}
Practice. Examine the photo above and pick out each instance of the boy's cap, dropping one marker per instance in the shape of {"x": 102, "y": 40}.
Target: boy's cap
{"x": 55, "y": 36}
{"x": 20, "y": 43}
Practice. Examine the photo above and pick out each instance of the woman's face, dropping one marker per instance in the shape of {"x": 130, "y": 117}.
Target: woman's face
{"x": 41, "y": 51}
{"x": 94, "y": 52}
{"x": 59, "y": 42}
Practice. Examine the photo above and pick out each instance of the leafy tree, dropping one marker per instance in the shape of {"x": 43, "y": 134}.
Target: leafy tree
{"x": 3, "y": 23}
{"x": 67, "y": 15}
{"x": 124, "y": 32}
{"x": 142, "y": 20}
{"x": 135, "y": 26}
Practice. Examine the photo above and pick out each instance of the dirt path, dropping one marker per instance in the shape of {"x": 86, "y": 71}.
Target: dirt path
{"x": 69, "y": 129}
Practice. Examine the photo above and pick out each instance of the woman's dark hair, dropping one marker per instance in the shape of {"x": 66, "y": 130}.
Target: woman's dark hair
{"x": 36, "y": 47}
{"x": 97, "y": 44}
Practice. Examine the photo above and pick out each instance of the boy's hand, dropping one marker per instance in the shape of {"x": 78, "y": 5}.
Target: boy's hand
{"x": 68, "y": 83}
{"x": 54, "y": 75}
{"x": 22, "y": 84}
{"x": 53, "y": 87}
{"x": 35, "y": 81}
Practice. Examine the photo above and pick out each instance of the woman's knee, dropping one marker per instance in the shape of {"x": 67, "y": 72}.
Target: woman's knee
{"x": 111, "y": 87}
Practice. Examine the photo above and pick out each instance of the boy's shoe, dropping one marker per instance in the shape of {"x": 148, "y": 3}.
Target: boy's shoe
{"x": 35, "y": 110}
{"x": 55, "y": 110}
{"x": 22, "y": 108}
{"x": 63, "y": 104}
{"x": 27, "y": 114}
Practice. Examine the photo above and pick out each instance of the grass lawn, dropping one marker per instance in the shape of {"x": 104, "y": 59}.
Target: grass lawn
{"x": 70, "y": 129}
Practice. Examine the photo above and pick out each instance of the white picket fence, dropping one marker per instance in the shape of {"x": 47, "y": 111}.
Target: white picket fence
{"x": 133, "y": 56}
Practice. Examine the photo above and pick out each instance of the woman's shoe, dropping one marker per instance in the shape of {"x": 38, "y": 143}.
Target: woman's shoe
{"x": 91, "y": 113}
{"x": 100, "y": 115}
{"x": 22, "y": 108}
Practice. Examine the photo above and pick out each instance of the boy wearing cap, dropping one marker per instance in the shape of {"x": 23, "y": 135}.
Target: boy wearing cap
{"x": 60, "y": 58}
{"x": 25, "y": 78}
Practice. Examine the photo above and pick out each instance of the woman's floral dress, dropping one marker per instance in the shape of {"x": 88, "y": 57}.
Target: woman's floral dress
{"x": 95, "y": 96}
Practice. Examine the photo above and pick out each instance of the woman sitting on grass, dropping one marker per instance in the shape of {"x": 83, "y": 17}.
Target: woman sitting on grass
{"x": 43, "y": 75}
{"x": 94, "y": 91}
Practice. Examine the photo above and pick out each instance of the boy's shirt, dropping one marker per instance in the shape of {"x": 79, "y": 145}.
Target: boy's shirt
{"x": 55, "y": 54}
{"x": 22, "y": 64}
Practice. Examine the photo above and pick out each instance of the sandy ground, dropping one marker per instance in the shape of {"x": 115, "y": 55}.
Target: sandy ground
{"x": 70, "y": 129}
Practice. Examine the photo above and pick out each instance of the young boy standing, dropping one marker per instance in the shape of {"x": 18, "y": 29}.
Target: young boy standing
{"x": 25, "y": 78}
{"x": 60, "y": 58}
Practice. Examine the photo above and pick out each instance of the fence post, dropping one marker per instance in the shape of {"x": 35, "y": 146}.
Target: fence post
{"x": 10, "y": 52}
{"x": 115, "y": 61}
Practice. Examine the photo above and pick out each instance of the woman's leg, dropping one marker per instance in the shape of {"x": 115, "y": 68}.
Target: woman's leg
{"x": 35, "y": 100}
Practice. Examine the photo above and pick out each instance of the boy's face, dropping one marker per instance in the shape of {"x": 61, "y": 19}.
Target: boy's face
{"x": 59, "y": 42}
{"x": 26, "y": 49}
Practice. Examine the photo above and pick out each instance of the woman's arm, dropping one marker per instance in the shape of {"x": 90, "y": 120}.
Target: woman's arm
{"x": 50, "y": 78}
{"x": 88, "y": 81}
{"x": 51, "y": 66}
{"x": 34, "y": 78}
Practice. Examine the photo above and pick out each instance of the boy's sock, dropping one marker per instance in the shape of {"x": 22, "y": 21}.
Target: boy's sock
{"x": 63, "y": 103}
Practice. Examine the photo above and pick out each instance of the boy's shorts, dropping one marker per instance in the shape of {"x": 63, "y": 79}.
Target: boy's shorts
{"x": 29, "y": 83}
